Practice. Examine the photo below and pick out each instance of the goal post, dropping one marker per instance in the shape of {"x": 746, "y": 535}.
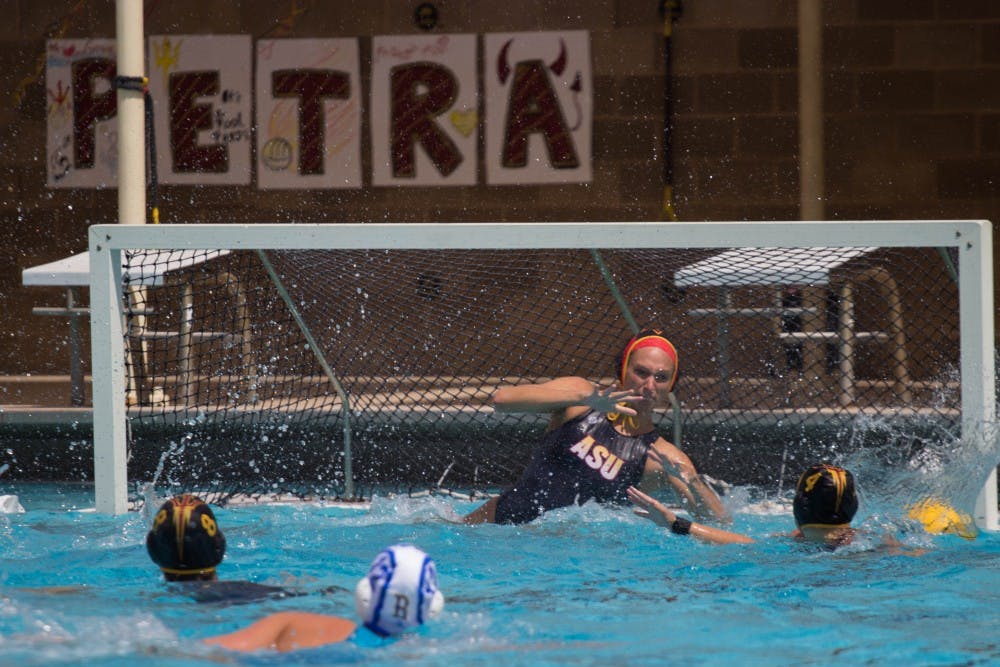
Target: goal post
{"x": 802, "y": 323}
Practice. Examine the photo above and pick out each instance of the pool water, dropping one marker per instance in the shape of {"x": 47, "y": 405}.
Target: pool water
{"x": 583, "y": 586}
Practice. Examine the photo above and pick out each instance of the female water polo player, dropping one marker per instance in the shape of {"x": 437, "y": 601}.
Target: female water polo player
{"x": 185, "y": 541}
{"x": 599, "y": 440}
{"x": 824, "y": 505}
{"x": 399, "y": 592}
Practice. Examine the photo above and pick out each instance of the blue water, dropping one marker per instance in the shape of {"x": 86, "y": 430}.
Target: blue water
{"x": 583, "y": 586}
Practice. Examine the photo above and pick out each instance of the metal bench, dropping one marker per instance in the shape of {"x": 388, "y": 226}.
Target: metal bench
{"x": 809, "y": 268}
{"x": 152, "y": 269}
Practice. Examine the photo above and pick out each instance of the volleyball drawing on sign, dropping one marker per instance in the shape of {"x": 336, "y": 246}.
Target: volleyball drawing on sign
{"x": 308, "y": 113}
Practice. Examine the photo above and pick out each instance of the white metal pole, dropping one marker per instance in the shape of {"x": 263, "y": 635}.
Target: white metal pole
{"x": 108, "y": 359}
{"x": 811, "y": 173}
{"x": 131, "y": 115}
{"x": 977, "y": 363}
{"x": 107, "y": 356}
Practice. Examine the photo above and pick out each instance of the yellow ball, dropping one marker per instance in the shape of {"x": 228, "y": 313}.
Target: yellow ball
{"x": 939, "y": 517}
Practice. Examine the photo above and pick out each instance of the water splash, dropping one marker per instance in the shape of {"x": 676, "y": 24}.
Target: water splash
{"x": 920, "y": 461}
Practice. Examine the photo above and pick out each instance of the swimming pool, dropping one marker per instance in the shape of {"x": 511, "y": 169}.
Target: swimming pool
{"x": 583, "y": 586}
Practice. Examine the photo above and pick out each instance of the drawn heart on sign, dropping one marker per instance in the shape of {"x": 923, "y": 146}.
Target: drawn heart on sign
{"x": 464, "y": 121}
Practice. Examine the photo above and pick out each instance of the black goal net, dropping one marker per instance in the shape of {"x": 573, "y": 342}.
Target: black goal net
{"x": 330, "y": 373}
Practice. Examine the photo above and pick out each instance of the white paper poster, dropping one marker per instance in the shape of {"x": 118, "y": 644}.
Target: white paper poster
{"x": 81, "y": 109}
{"x": 539, "y": 107}
{"x": 308, "y": 113}
{"x": 424, "y": 113}
{"x": 201, "y": 88}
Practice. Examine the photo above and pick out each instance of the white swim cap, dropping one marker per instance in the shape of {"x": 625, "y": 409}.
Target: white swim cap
{"x": 400, "y": 591}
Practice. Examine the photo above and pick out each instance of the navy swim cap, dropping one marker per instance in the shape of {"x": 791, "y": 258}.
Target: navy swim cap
{"x": 825, "y": 496}
{"x": 185, "y": 541}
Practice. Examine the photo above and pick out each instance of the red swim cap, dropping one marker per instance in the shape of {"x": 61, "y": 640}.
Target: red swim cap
{"x": 647, "y": 338}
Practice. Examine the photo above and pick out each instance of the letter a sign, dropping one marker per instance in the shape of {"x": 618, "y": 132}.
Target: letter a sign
{"x": 538, "y": 107}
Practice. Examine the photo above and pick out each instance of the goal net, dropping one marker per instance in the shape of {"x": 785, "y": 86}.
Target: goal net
{"x": 334, "y": 360}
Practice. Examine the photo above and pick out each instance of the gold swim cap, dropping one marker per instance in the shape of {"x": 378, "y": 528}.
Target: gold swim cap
{"x": 938, "y": 517}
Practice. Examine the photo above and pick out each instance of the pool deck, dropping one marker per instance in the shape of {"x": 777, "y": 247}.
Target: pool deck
{"x": 41, "y": 400}
{"x": 45, "y": 400}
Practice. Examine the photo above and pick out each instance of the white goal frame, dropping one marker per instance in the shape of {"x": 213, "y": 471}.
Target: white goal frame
{"x": 972, "y": 239}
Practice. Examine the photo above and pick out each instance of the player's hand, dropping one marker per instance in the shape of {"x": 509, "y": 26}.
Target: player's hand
{"x": 669, "y": 467}
{"x": 650, "y": 508}
{"x": 611, "y": 399}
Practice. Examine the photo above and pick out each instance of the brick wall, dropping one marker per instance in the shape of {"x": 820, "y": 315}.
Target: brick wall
{"x": 912, "y": 123}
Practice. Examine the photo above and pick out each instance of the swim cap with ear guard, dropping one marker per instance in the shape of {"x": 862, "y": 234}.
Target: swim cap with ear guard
{"x": 185, "y": 540}
{"x": 825, "y": 496}
{"x": 399, "y": 592}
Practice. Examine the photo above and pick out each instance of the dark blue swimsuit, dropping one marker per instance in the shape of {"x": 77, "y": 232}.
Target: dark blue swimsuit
{"x": 584, "y": 459}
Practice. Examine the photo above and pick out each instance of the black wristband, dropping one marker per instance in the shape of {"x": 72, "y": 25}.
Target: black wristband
{"x": 680, "y": 526}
